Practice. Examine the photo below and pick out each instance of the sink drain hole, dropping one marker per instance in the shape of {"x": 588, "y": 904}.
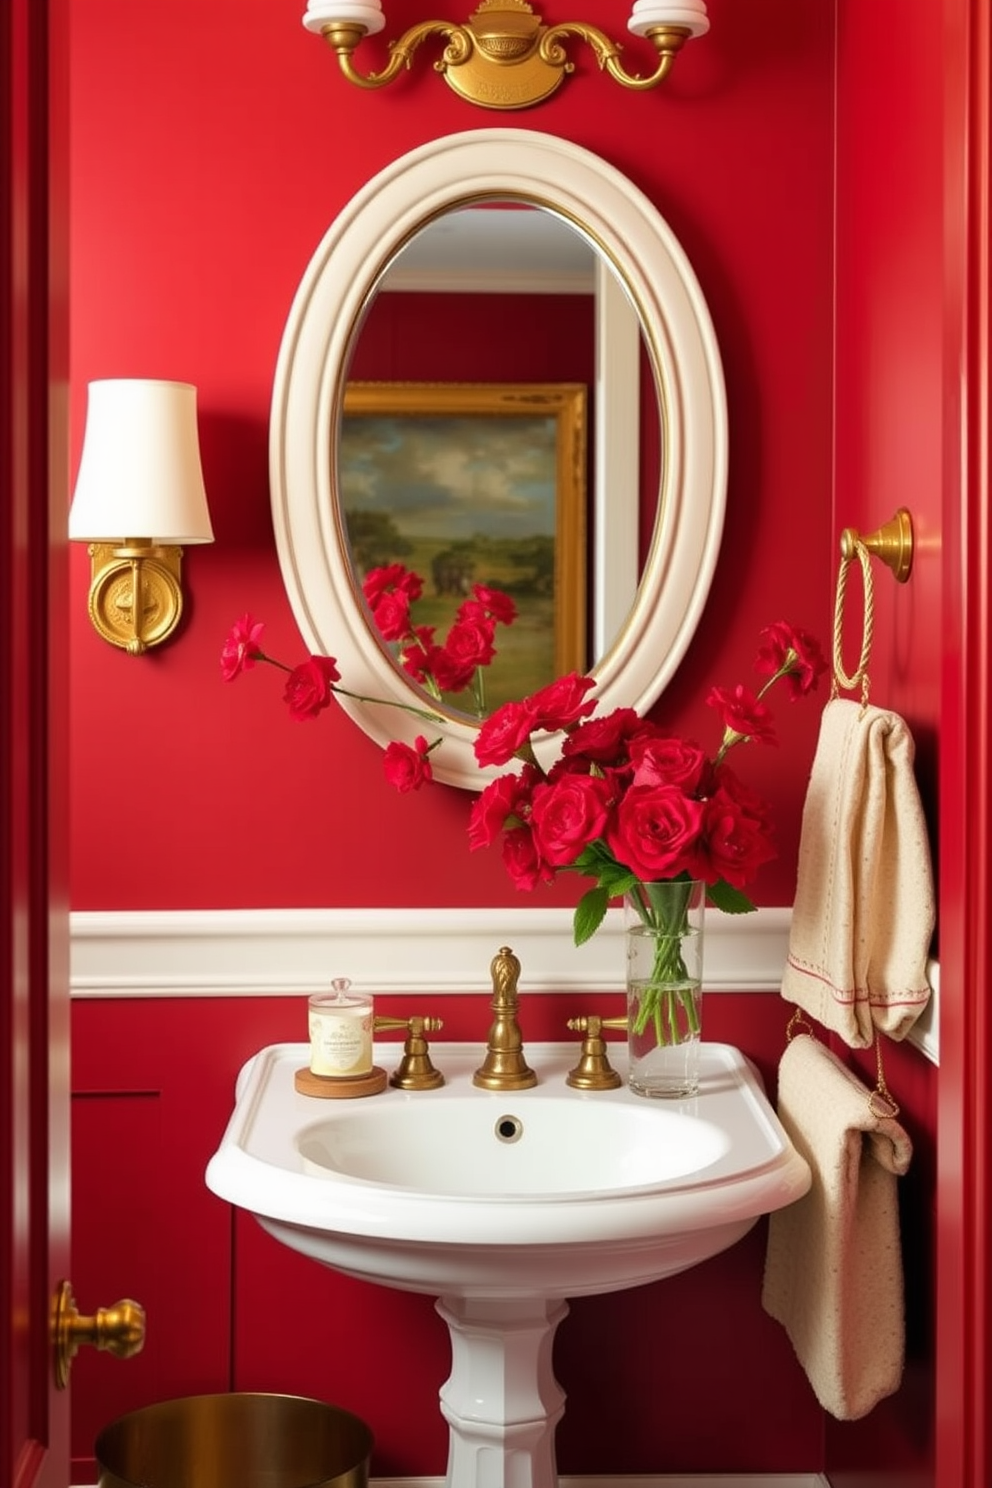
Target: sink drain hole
{"x": 509, "y": 1129}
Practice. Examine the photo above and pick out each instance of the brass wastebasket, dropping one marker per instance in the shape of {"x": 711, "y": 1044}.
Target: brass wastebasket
{"x": 235, "y": 1441}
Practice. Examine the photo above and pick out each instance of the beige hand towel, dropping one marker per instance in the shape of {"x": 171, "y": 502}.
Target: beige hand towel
{"x": 864, "y": 908}
{"x": 833, "y": 1270}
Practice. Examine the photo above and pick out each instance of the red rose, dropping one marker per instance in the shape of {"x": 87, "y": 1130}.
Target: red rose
{"x": 450, "y": 674}
{"x": 241, "y": 649}
{"x": 604, "y": 739}
{"x": 654, "y": 830}
{"x": 392, "y": 576}
{"x": 665, "y": 760}
{"x": 567, "y": 816}
{"x": 405, "y": 768}
{"x": 391, "y": 612}
{"x": 495, "y": 603}
{"x": 744, "y": 796}
{"x": 503, "y": 732}
{"x": 468, "y": 645}
{"x": 792, "y": 653}
{"x": 562, "y": 702}
{"x": 308, "y": 687}
{"x": 504, "y": 798}
{"x": 414, "y": 657}
{"x": 733, "y": 843}
{"x": 522, "y": 860}
{"x": 742, "y": 713}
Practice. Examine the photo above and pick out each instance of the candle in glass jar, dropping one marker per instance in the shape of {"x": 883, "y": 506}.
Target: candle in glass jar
{"x": 340, "y": 1031}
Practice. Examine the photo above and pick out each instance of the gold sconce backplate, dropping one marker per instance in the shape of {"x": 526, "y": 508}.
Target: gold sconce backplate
{"x": 135, "y": 598}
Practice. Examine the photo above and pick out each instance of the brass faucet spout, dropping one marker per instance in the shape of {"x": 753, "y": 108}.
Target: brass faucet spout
{"x": 504, "y": 1067}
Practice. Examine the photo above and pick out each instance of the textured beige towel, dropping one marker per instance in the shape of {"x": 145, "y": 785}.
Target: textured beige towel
{"x": 864, "y": 909}
{"x": 833, "y": 1271}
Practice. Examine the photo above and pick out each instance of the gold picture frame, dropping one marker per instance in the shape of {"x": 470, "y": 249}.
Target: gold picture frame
{"x": 477, "y": 482}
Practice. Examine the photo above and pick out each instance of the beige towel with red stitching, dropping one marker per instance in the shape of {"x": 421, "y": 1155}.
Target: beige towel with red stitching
{"x": 833, "y": 1269}
{"x": 864, "y": 908}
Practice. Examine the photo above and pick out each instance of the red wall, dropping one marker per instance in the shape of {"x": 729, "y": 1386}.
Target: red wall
{"x": 209, "y": 155}
{"x": 891, "y": 309}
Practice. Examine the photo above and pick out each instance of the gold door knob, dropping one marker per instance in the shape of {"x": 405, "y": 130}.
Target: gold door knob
{"x": 120, "y": 1330}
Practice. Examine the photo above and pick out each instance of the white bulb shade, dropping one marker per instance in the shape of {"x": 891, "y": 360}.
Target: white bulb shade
{"x": 140, "y": 474}
{"x": 365, "y": 13}
{"x": 648, "y": 14}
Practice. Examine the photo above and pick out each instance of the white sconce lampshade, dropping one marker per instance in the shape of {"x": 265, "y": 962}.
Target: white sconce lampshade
{"x": 140, "y": 473}
{"x": 139, "y": 500}
{"x": 649, "y": 15}
{"x": 365, "y": 14}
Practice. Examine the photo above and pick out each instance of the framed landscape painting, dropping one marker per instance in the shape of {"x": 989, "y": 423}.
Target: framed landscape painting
{"x": 476, "y": 483}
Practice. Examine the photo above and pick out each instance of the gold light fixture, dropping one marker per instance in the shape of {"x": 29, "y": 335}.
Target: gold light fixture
{"x": 503, "y": 57}
{"x": 139, "y": 473}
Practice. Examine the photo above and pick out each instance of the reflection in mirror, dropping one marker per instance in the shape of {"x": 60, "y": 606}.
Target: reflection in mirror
{"x": 329, "y": 334}
{"x": 472, "y": 487}
{"x": 510, "y": 296}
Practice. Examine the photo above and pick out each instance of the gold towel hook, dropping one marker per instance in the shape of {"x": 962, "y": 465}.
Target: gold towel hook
{"x": 892, "y": 543}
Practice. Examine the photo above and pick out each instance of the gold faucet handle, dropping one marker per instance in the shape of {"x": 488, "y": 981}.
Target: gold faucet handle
{"x": 412, "y": 1025}
{"x": 594, "y": 1071}
{"x": 415, "y": 1070}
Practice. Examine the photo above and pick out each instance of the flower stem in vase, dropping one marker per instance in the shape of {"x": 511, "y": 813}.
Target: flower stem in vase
{"x": 664, "y": 985}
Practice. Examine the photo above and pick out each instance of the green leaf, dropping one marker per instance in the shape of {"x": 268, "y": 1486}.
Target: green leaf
{"x": 727, "y": 898}
{"x": 589, "y": 914}
{"x": 617, "y": 880}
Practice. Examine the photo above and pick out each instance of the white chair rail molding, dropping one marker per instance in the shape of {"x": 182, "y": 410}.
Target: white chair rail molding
{"x": 289, "y": 952}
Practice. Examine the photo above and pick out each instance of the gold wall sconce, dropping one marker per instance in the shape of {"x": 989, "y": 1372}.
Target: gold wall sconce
{"x": 139, "y": 473}
{"x": 503, "y": 57}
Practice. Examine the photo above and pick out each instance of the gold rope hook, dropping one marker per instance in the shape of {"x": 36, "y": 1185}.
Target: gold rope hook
{"x": 892, "y": 543}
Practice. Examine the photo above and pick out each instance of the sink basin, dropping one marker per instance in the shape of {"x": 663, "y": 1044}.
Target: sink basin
{"x": 502, "y": 1204}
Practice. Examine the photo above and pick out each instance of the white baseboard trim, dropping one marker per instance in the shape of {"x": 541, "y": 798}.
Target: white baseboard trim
{"x": 285, "y": 953}
{"x": 727, "y": 1480}
{"x": 694, "y": 1480}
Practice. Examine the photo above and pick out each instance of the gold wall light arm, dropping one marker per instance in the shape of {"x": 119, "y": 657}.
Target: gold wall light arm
{"x": 892, "y": 544}
{"x": 344, "y": 38}
{"x": 668, "y": 42}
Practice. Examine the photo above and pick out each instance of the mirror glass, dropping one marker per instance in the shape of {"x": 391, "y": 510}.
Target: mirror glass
{"x": 476, "y": 446}
{"x": 381, "y": 372}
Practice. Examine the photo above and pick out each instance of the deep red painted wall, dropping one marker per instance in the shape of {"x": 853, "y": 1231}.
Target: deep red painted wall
{"x": 208, "y": 157}
{"x": 890, "y": 424}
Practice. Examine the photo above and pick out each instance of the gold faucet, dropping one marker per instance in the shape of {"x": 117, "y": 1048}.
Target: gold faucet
{"x": 504, "y": 1067}
{"x": 594, "y": 1070}
{"x": 415, "y": 1070}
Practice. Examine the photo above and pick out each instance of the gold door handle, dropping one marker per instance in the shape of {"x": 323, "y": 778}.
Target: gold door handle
{"x": 120, "y": 1330}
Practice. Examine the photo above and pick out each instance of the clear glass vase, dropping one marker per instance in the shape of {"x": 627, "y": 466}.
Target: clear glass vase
{"x": 664, "y": 935}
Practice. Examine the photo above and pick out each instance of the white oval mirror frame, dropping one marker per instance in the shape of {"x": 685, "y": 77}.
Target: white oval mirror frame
{"x": 309, "y": 388}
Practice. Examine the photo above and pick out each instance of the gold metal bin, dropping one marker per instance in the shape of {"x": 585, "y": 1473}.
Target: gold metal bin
{"x": 235, "y": 1441}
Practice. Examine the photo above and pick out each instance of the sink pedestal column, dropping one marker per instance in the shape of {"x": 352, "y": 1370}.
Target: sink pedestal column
{"x": 501, "y": 1400}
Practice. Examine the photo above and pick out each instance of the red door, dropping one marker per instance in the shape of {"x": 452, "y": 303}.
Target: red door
{"x": 34, "y": 1002}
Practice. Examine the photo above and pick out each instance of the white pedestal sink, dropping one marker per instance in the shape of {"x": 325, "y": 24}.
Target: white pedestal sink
{"x": 502, "y": 1205}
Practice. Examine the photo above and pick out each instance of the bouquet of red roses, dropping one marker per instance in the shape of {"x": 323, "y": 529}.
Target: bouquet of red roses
{"x": 628, "y": 804}
{"x": 454, "y": 665}
{"x": 637, "y": 809}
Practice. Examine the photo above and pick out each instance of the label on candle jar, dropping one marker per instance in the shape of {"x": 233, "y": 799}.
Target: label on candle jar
{"x": 340, "y": 1035}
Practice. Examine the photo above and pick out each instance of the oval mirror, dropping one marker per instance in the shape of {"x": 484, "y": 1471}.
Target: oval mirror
{"x": 643, "y": 614}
